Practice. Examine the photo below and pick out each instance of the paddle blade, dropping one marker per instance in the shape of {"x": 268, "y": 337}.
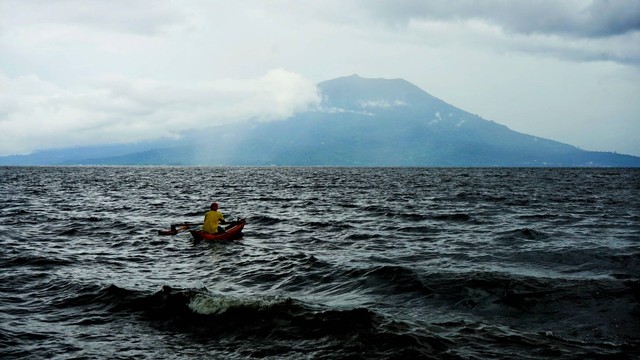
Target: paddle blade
{"x": 173, "y": 231}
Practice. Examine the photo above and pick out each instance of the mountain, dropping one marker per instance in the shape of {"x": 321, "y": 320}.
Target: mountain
{"x": 361, "y": 122}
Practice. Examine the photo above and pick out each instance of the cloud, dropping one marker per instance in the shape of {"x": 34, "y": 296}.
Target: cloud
{"x": 384, "y": 104}
{"x": 580, "y": 18}
{"x": 35, "y": 114}
{"x": 583, "y": 30}
{"x": 126, "y": 16}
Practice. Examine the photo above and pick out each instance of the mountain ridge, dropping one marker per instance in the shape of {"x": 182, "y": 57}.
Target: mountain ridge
{"x": 360, "y": 122}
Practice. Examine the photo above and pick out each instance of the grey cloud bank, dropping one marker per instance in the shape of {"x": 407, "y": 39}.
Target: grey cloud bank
{"x": 599, "y": 18}
{"x": 576, "y": 30}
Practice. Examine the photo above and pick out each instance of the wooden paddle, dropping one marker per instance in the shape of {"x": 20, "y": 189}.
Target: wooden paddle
{"x": 177, "y": 228}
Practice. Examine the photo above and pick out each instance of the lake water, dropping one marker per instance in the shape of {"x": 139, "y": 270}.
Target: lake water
{"x": 335, "y": 263}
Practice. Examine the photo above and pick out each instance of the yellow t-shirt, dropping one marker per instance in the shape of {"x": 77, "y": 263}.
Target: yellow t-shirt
{"x": 211, "y": 220}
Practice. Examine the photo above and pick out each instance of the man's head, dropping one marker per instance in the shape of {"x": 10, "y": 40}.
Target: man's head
{"x": 214, "y": 206}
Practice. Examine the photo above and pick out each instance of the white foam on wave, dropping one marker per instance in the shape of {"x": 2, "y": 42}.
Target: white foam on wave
{"x": 205, "y": 304}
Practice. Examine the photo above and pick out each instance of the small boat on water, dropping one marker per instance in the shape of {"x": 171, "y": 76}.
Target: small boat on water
{"x": 232, "y": 232}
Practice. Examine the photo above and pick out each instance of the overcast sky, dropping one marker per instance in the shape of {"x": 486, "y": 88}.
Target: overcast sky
{"x": 80, "y": 72}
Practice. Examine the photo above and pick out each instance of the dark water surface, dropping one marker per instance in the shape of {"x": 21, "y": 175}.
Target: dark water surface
{"x": 335, "y": 263}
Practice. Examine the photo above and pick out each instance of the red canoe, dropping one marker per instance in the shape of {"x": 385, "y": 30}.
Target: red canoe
{"x": 232, "y": 232}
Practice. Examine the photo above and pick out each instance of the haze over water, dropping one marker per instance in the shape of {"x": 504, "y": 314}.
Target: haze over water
{"x": 388, "y": 263}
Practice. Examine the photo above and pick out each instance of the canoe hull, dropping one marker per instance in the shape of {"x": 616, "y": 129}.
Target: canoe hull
{"x": 232, "y": 232}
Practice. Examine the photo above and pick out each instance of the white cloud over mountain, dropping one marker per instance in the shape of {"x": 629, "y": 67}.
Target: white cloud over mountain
{"x": 118, "y": 109}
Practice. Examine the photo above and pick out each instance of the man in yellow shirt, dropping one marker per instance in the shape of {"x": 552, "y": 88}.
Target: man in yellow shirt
{"x": 211, "y": 220}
